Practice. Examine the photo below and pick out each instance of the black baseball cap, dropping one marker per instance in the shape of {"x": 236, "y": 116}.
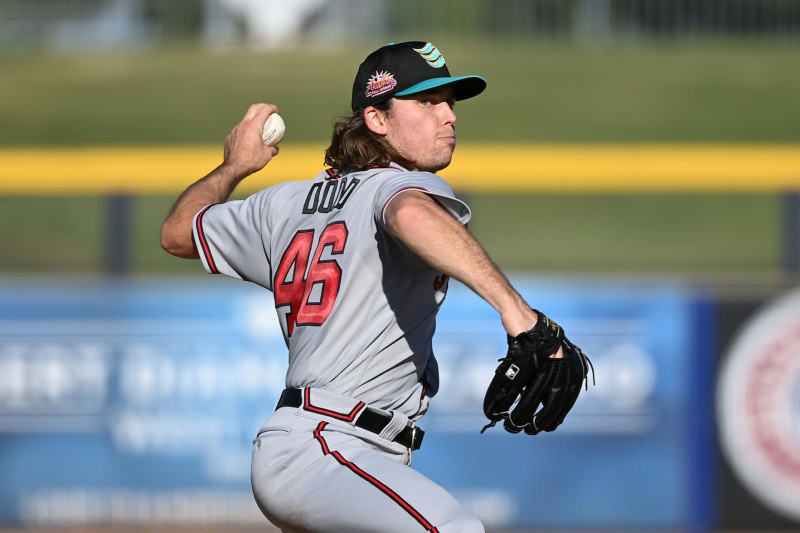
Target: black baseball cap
{"x": 400, "y": 69}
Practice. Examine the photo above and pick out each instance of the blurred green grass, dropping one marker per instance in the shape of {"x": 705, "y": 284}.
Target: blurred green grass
{"x": 691, "y": 92}
{"x": 659, "y": 234}
{"x": 675, "y": 234}
{"x": 537, "y": 92}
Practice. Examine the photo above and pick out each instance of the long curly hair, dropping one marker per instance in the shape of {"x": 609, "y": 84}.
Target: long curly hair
{"x": 354, "y": 147}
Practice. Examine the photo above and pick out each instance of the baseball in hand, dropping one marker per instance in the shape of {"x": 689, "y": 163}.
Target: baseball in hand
{"x": 274, "y": 128}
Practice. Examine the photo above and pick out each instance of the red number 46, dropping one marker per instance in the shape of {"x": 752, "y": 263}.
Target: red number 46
{"x": 309, "y": 291}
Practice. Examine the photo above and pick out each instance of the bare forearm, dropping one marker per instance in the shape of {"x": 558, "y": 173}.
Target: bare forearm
{"x": 245, "y": 153}
{"x": 176, "y": 232}
{"x": 433, "y": 234}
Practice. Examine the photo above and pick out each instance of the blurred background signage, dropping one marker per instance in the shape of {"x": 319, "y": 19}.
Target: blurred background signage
{"x": 633, "y": 165}
{"x": 137, "y": 402}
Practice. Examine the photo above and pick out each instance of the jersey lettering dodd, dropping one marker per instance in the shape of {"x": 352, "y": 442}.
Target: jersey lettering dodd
{"x": 324, "y": 197}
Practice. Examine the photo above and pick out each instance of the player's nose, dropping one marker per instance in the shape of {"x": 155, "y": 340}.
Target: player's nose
{"x": 447, "y": 113}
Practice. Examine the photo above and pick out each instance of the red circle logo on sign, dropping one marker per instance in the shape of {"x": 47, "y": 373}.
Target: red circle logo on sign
{"x": 758, "y": 405}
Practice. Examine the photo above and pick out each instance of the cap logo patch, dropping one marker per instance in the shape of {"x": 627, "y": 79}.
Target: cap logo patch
{"x": 432, "y": 55}
{"x": 379, "y": 83}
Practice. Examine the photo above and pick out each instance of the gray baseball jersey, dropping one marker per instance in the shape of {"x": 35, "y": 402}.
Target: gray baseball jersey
{"x": 358, "y": 311}
{"x": 356, "y": 306}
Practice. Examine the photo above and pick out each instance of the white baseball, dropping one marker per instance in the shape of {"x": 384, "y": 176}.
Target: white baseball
{"x": 274, "y": 128}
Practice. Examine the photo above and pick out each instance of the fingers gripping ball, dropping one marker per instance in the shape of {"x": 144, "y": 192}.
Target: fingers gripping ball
{"x": 528, "y": 377}
{"x": 274, "y": 128}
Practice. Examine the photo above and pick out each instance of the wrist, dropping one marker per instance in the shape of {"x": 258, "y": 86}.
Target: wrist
{"x": 521, "y": 320}
{"x": 226, "y": 177}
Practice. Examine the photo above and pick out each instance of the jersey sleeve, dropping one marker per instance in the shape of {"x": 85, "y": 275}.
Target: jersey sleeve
{"x": 231, "y": 237}
{"x": 430, "y": 184}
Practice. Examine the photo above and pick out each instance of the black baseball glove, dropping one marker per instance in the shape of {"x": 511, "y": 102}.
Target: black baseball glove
{"x": 528, "y": 377}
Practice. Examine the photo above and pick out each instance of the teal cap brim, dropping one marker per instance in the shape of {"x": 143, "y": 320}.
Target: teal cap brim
{"x": 463, "y": 86}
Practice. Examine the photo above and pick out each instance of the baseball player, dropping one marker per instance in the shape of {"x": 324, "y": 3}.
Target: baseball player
{"x": 358, "y": 259}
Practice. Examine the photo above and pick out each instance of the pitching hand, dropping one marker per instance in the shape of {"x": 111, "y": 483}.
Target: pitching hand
{"x": 244, "y": 149}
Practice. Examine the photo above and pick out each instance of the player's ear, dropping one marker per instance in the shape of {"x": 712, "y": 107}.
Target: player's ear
{"x": 375, "y": 119}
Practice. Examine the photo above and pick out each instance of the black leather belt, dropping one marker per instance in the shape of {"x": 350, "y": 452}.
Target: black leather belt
{"x": 370, "y": 419}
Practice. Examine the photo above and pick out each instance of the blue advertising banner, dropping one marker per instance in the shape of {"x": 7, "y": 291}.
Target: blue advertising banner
{"x": 622, "y": 455}
{"x": 136, "y": 402}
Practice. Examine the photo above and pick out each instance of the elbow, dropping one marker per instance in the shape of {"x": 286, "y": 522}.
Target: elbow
{"x": 174, "y": 243}
{"x": 168, "y": 242}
